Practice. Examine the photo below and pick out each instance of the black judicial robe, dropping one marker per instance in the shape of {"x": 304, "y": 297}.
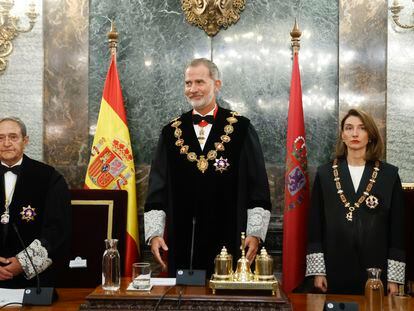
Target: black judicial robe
{"x": 218, "y": 200}
{"x": 44, "y": 189}
{"x": 373, "y": 236}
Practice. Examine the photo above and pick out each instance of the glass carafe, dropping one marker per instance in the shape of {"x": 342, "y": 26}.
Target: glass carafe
{"x": 374, "y": 291}
{"x": 111, "y": 266}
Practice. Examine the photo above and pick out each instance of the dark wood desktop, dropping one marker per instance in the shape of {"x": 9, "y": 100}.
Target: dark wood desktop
{"x": 70, "y": 299}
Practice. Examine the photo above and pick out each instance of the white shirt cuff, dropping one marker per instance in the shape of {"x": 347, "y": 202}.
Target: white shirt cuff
{"x": 396, "y": 271}
{"x": 39, "y": 257}
{"x": 257, "y": 222}
{"x": 154, "y": 224}
{"x": 315, "y": 264}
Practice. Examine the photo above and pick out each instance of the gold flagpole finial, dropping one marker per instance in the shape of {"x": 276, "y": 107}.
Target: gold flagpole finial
{"x": 295, "y": 34}
{"x": 113, "y": 38}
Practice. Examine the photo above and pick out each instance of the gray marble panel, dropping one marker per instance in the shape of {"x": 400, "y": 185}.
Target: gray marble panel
{"x": 362, "y": 57}
{"x": 66, "y": 88}
{"x": 21, "y": 91}
{"x": 400, "y": 94}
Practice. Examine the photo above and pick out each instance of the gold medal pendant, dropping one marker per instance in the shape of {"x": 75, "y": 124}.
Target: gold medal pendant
{"x": 5, "y": 218}
{"x": 372, "y": 202}
{"x": 202, "y": 164}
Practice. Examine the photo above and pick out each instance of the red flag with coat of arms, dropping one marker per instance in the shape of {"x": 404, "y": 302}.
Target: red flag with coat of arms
{"x": 111, "y": 165}
{"x": 296, "y": 189}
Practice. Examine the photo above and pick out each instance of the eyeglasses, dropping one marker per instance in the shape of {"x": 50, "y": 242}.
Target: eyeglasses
{"x": 11, "y": 137}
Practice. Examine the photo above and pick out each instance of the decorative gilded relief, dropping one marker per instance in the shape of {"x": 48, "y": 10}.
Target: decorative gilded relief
{"x": 10, "y": 29}
{"x": 212, "y": 15}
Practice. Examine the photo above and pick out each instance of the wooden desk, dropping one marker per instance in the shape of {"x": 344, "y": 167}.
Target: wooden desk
{"x": 70, "y": 299}
{"x": 185, "y": 298}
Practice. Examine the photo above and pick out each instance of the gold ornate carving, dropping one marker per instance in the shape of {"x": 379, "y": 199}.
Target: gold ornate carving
{"x": 395, "y": 9}
{"x": 9, "y": 29}
{"x": 211, "y": 15}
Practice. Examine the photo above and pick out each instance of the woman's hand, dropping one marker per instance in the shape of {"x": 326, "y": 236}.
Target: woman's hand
{"x": 321, "y": 283}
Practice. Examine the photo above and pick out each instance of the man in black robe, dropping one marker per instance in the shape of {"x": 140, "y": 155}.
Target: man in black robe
{"x": 35, "y": 200}
{"x": 208, "y": 168}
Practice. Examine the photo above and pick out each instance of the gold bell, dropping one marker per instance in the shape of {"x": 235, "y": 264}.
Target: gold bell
{"x": 263, "y": 266}
{"x": 243, "y": 272}
{"x": 223, "y": 265}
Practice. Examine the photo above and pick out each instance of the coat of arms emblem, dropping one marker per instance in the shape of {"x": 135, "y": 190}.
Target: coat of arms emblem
{"x": 110, "y": 168}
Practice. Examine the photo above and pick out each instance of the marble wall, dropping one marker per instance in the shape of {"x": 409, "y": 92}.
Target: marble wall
{"x": 21, "y": 86}
{"x": 66, "y": 88}
{"x": 400, "y": 94}
{"x": 363, "y": 57}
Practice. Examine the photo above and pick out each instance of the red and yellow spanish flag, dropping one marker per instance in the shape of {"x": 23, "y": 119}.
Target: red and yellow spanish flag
{"x": 111, "y": 165}
{"x": 296, "y": 189}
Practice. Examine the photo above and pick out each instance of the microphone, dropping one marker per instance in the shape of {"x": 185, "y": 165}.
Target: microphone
{"x": 38, "y": 296}
{"x": 191, "y": 277}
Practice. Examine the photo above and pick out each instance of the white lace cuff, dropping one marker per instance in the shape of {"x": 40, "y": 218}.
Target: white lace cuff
{"x": 257, "y": 222}
{"x": 396, "y": 271}
{"x": 154, "y": 224}
{"x": 315, "y": 264}
{"x": 39, "y": 257}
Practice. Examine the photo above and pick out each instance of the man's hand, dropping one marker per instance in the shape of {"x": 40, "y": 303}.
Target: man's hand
{"x": 321, "y": 283}
{"x": 157, "y": 243}
{"x": 252, "y": 245}
{"x": 392, "y": 288}
{"x": 14, "y": 267}
{"x": 4, "y": 274}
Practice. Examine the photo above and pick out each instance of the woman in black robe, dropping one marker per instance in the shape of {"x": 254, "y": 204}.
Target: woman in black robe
{"x": 356, "y": 218}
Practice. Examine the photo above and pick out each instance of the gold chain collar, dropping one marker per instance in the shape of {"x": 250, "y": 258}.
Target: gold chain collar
{"x": 202, "y": 162}
{"x": 337, "y": 180}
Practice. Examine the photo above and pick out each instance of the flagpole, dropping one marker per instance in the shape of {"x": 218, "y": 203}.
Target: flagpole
{"x": 296, "y": 181}
{"x": 295, "y": 34}
{"x": 113, "y": 38}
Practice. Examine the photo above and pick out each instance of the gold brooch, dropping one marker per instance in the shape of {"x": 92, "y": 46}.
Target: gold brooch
{"x": 28, "y": 213}
{"x": 372, "y": 202}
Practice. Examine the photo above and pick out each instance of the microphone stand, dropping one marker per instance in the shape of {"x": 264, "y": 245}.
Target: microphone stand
{"x": 39, "y": 296}
{"x": 191, "y": 277}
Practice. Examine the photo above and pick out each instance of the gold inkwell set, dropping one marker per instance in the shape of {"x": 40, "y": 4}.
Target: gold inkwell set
{"x": 243, "y": 278}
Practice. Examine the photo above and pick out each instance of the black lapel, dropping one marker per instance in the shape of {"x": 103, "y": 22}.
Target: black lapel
{"x": 2, "y": 194}
{"x": 189, "y": 135}
{"x": 216, "y": 130}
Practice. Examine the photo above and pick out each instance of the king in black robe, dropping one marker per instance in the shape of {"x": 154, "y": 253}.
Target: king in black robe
{"x": 219, "y": 200}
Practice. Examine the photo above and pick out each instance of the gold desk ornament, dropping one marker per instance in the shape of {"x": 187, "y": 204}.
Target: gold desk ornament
{"x": 211, "y": 15}
{"x": 263, "y": 266}
{"x": 243, "y": 278}
{"x": 223, "y": 265}
{"x": 243, "y": 272}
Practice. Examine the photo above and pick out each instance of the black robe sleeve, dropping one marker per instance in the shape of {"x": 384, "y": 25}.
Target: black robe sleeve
{"x": 157, "y": 186}
{"x": 257, "y": 182}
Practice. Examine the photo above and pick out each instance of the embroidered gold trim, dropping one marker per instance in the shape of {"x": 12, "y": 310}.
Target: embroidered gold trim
{"x": 347, "y": 204}
{"x": 202, "y": 162}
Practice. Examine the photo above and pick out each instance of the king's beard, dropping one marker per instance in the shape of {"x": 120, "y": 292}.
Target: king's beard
{"x": 203, "y": 102}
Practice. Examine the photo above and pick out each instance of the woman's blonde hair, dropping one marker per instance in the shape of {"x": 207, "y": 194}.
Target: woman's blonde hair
{"x": 375, "y": 146}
